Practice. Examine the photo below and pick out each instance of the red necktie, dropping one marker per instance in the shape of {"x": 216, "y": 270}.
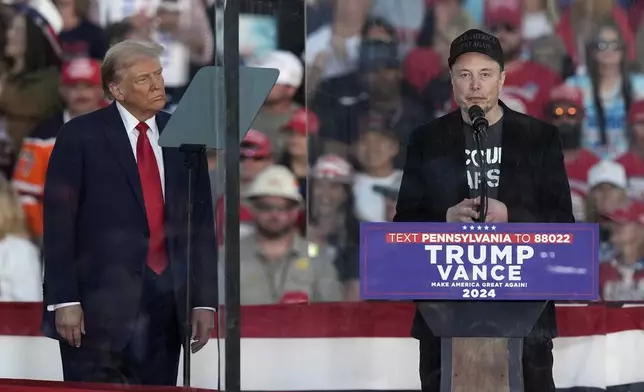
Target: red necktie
{"x": 153, "y": 195}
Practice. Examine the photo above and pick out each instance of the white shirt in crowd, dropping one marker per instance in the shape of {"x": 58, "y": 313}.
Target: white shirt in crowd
{"x": 20, "y": 270}
{"x": 370, "y": 205}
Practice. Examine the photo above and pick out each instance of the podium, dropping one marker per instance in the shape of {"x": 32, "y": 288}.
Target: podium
{"x": 480, "y": 289}
{"x": 481, "y": 342}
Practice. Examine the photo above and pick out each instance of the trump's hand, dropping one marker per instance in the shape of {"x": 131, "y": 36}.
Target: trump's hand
{"x": 70, "y": 324}
{"x": 463, "y": 212}
{"x": 497, "y": 212}
{"x": 203, "y": 323}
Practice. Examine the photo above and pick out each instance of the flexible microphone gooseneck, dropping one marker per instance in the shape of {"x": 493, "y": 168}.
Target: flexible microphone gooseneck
{"x": 480, "y": 125}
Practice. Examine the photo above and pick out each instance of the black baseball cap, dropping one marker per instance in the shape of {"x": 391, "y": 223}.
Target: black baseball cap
{"x": 477, "y": 41}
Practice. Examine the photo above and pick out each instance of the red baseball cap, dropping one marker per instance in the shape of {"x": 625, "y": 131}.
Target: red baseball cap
{"x": 568, "y": 93}
{"x": 304, "y": 122}
{"x": 503, "y": 11}
{"x": 256, "y": 145}
{"x": 81, "y": 70}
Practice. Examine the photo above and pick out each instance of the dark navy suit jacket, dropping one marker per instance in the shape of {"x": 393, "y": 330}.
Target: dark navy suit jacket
{"x": 96, "y": 232}
{"x": 533, "y": 183}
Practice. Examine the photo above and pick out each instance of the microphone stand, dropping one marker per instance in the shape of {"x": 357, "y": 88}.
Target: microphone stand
{"x": 190, "y": 151}
{"x": 482, "y": 172}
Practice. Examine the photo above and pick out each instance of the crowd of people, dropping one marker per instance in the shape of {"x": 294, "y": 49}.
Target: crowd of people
{"x": 327, "y": 149}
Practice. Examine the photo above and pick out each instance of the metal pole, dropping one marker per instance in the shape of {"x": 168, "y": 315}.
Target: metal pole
{"x": 232, "y": 306}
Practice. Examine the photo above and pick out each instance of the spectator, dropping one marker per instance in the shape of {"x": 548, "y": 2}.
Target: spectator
{"x": 607, "y": 192}
{"x": 120, "y": 31}
{"x": 180, "y": 26}
{"x": 580, "y": 22}
{"x": 539, "y": 18}
{"x": 279, "y": 107}
{"x": 29, "y": 87}
{"x": 527, "y": 84}
{"x": 275, "y": 262}
{"x": 80, "y": 37}
{"x": 549, "y": 51}
{"x": 633, "y": 159}
{"x": 436, "y": 96}
{"x": 609, "y": 89}
{"x": 303, "y": 126}
{"x": 376, "y": 149}
{"x": 325, "y": 60}
{"x": 622, "y": 277}
{"x": 20, "y": 267}
{"x": 82, "y": 93}
{"x": 256, "y": 154}
{"x": 425, "y": 62}
{"x": 390, "y": 193}
{"x": 566, "y": 111}
{"x": 333, "y": 226}
{"x": 375, "y": 90}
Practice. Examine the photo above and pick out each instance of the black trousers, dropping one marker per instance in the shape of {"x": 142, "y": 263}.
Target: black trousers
{"x": 151, "y": 357}
{"x": 537, "y": 364}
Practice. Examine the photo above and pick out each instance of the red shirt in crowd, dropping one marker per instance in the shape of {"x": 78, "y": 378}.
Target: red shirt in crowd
{"x": 577, "y": 171}
{"x": 634, "y": 166}
{"x": 527, "y": 87}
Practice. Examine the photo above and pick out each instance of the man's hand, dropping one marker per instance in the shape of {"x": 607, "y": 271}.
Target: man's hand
{"x": 497, "y": 212}
{"x": 70, "y": 324}
{"x": 463, "y": 211}
{"x": 203, "y": 322}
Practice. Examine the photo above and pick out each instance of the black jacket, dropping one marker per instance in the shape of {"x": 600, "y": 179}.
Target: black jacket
{"x": 533, "y": 182}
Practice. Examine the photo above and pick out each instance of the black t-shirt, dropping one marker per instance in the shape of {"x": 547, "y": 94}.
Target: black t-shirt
{"x": 491, "y": 145}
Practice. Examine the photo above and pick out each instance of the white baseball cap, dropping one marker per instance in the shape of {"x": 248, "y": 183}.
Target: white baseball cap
{"x": 275, "y": 180}
{"x": 290, "y": 67}
{"x": 607, "y": 172}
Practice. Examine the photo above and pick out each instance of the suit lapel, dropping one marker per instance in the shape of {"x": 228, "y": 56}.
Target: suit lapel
{"x": 116, "y": 135}
{"x": 455, "y": 144}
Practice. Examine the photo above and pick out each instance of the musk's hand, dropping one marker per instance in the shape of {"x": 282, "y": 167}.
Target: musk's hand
{"x": 465, "y": 211}
{"x": 497, "y": 212}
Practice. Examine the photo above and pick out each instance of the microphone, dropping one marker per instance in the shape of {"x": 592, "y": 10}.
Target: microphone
{"x": 477, "y": 116}
{"x": 480, "y": 124}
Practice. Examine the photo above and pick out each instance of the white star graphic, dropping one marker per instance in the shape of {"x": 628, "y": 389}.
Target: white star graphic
{"x": 471, "y": 227}
{"x": 479, "y": 228}
{"x": 487, "y": 227}
{"x": 493, "y": 227}
{"x": 464, "y": 227}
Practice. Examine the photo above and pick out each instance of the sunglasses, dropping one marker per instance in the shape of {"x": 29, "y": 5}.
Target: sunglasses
{"x": 561, "y": 111}
{"x": 603, "y": 46}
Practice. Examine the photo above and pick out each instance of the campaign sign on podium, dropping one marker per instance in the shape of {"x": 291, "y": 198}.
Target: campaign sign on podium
{"x": 481, "y": 288}
{"x": 511, "y": 261}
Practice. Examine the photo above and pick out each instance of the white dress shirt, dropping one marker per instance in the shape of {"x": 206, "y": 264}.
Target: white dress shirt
{"x": 130, "y": 122}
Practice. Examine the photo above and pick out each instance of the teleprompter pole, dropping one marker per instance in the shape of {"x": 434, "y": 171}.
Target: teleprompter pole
{"x": 232, "y": 303}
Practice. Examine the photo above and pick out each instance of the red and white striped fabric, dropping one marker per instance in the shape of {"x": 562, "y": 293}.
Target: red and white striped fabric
{"x": 355, "y": 346}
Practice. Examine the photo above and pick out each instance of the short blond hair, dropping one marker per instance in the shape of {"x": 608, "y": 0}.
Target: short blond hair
{"x": 122, "y": 55}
